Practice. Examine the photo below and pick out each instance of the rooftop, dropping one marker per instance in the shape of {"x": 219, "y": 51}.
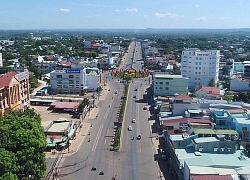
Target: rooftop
{"x": 162, "y": 75}
{"x": 64, "y": 105}
{"x": 209, "y": 163}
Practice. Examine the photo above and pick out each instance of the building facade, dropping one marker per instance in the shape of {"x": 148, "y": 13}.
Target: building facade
{"x": 74, "y": 81}
{"x": 14, "y": 91}
{"x": 239, "y": 84}
{"x": 200, "y": 67}
{"x": 167, "y": 85}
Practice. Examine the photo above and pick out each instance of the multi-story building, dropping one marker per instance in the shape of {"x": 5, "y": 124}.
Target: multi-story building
{"x": 74, "y": 81}
{"x": 167, "y": 85}
{"x": 200, "y": 67}
{"x": 14, "y": 91}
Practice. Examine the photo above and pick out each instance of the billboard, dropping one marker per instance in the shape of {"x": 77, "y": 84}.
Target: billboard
{"x": 72, "y": 71}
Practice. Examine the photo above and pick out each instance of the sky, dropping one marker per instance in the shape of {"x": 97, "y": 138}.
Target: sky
{"x": 124, "y": 14}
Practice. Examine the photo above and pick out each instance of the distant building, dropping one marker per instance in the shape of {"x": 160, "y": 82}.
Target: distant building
{"x": 200, "y": 66}
{"x": 169, "y": 85}
{"x": 14, "y": 91}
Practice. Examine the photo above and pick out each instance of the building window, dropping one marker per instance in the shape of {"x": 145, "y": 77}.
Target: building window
{"x": 65, "y": 86}
{"x": 156, "y": 82}
{"x": 160, "y": 88}
{"x": 71, "y": 82}
{"x": 58, "y": 76}
{"x": 160, "y": 82}
{"x": 167, "y": 83}
{"x": 59, "y": 82}
{"x": 71, "y": 76}
{"x": 156, "y": 88}
{"x": 59, "y": 86}
{"x": 244, "y": 128}
{"x": 166, "y": 88}
{"x": 71, "y": 86}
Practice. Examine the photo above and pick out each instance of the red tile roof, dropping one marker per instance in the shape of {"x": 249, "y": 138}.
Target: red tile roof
{"x": 6, "y": 78}
{"x": 183, "y": 120}
{"x": 183, "y": 97}
{"x": 211, "y": 91}
{"x": 211, "y": 177}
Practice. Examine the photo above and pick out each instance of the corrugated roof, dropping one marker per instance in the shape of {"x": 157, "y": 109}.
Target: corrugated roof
{"x": 64, "y": 105}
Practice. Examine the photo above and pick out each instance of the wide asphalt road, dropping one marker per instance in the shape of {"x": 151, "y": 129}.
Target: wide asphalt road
{"x": 135, "y": 160}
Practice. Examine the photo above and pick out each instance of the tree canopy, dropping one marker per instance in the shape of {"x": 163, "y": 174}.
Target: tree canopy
{"x": 22, "y": 146}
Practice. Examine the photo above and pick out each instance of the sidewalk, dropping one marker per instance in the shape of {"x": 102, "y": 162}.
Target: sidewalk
{"x": 81, "y": 133}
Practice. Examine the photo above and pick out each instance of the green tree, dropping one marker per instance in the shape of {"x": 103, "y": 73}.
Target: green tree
{"x": 211, "y": 83}
{"x": 8, "y": 166}
{"x": 228, "y": 97}
{"x": 23, "y": 135}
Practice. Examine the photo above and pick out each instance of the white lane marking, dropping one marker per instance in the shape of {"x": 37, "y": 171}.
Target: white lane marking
{"x": 105, "y": 142}
{"x": 139, "y": 148}
{"x": 97, "y": 138}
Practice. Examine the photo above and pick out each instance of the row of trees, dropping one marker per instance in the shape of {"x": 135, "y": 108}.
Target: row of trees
{"x": 22, "y": 146}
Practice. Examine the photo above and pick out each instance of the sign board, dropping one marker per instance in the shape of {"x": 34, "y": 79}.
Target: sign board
{"x": 72, "y": 71}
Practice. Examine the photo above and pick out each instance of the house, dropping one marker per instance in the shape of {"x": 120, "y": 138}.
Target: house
{"x": 207, "y": 92}
{"x": 183, "y": 102}
{"x": 222, "y": 119}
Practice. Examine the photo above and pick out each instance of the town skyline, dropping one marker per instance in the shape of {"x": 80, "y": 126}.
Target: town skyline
{"x": 180, "y": 14}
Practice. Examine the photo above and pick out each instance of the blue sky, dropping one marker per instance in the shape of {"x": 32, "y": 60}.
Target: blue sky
{"x": 124, "y": 14}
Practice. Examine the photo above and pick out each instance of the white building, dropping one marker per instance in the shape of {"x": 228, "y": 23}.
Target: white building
{"x": 167, "y": 85}
{"x": 73, "y": 81}
{"x": 200, "y": 66}
{"x": 1, "y": 60}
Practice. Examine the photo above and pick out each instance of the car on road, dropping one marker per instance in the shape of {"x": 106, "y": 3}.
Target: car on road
{"x": 130, "y": 128}
{"x": 135, "y": 89}
{"x": 133, "y": 120}
{"x": 138, "y": 137}
{"x": 134, "y": 96}
{"x": 116, "y": 91}
{"x": 145, "y": 108}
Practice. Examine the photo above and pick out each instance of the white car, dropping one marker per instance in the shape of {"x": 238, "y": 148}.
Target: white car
{"x": 133, "y": 120}
{"x": 130, "y": 128}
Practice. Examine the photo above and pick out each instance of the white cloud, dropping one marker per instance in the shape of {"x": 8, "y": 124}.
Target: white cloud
{"x": 117, "y": 10}
{"x": 64, "y": 10}
{"x": 131, "y": 10}
{"x": 169, "y": 15}
{"x": 202, "y": 18}
{"x": 197, "y": 5}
